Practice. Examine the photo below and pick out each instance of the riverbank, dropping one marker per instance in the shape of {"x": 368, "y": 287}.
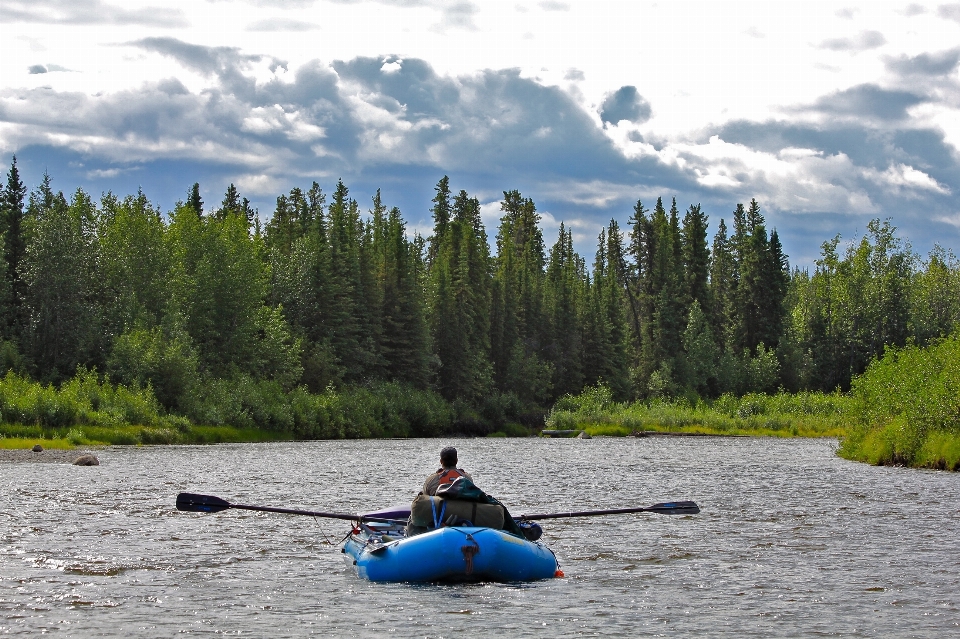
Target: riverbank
{"x": 780, "y": 415}
{"x": 46, "y": 456}
{"x": 16, "y": 436}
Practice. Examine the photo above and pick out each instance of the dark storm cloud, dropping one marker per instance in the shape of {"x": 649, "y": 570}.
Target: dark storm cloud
{"x": 862, "y": 42}
{"x": 925, "y": 64}
{"x": 624, "y": 104}
{"x": 868, "y": 101}
{"x": 866, "y": 147}
{"x": 496, "y": 120}
{"x": 396, "y": 124}
{"x": 87, "y": 12}
{"x": 207, "y": 60}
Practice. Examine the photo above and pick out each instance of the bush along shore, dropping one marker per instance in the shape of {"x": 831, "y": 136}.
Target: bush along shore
{"x": 89, "y": 410}
{"x": 810, "y": 414}
{"x": 907, "y": 409}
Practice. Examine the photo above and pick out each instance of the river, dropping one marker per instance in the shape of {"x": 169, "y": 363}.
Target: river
{"x": 792, "y": 541}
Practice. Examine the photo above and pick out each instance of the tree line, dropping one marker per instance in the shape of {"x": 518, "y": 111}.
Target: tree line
{"x": 327, "y": 295}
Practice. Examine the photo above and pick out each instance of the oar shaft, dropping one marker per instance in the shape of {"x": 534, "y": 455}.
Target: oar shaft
{"x": 210, "y": 504}
{"x": 585, "y": 513}
{"x": 310, "y": 513}
{"x": 676, "y": 508}
{"x": 294, "y": 511}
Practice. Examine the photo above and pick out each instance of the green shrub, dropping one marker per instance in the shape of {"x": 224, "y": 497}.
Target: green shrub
{"x": 906, "y": 408}
{"x": 805, "y": 414}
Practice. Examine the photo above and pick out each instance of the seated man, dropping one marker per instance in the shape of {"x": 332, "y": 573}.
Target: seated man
{"x": 446, "y": 474}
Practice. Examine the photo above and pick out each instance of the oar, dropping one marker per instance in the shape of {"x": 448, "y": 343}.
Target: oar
{"x": 210, "y": 504}
{"x": 669, "y": 508}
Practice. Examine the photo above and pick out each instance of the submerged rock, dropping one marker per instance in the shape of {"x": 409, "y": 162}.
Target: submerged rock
{"x": 87, "y": 460}
{"x": 38, "y": 448}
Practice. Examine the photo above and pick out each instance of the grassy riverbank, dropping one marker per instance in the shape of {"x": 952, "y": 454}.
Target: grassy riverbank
{"x": 89, "y": 410}
{"x": 904, "y": 410}
{"x": 20, "y": 436}
{"x": 780, "y": 415}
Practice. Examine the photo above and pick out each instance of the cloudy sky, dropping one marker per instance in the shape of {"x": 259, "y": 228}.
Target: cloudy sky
{"x": 829, "y": 113}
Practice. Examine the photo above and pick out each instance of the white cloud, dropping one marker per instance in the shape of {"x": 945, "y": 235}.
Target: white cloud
{"x": 900, "y": 176}
{"x": 391, "y": 67}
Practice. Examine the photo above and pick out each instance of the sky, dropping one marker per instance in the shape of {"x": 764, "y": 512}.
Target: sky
{"x": 830, "y": 114}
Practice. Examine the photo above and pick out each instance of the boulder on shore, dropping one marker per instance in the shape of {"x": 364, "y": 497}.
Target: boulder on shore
{"x": 37, "y": 448}
{"x": 86, "y": 460}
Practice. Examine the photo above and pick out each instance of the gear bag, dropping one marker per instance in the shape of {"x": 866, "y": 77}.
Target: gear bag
{"x": 433, "y": 512}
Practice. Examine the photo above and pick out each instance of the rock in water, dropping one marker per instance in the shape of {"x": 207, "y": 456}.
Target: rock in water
{"x": 87, "y": 460}
{"x": 38, "y": 448}
{"x": 584, "y": 435}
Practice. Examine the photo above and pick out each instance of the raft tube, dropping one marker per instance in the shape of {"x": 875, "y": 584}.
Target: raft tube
{"x": 452, "y": 553}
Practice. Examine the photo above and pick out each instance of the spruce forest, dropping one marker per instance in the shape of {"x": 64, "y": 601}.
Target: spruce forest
{"x": 332, "y": 320}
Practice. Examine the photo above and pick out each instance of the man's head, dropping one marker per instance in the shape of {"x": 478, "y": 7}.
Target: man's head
{"x": 448, "y": 456}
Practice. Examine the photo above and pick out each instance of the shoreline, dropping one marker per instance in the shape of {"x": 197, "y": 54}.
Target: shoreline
{"x": 46, "y": 456}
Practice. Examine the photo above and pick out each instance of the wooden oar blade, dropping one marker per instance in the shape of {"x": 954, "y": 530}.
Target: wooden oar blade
{"x": 675, "y": 508}
{"x": 201, "y": 503}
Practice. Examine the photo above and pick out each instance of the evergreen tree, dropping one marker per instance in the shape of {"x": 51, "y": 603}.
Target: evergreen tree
{"x": 441, "y": 217}
{"x": 13, "y": 237}
{"x": 405, "y": 341}
{"x": 721, "y": 283}
{"x": 41, "y": 199}
{"x": 461, "y": 302}
{"x": 608, "y": 290}
{"x": 194, "y": 201}
{"x": 640, "y": 288}
{"x": 736, "y": 334}
{"x": 565, "y": 347}
{"x": 230, "y": 205}
{"x": 696, "y": 258}
{"x": 348, "y": 329}
{"x": 666, "y": 287}
{"x": 283, "y": 229}
{"x": 522, "y": 323}
{"x": 775, "y": 285}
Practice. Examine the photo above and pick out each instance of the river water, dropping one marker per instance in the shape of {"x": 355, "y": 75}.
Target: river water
{"x": 791, "y": 542}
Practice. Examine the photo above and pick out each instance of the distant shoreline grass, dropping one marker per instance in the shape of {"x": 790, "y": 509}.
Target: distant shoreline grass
{"x": 780, "y": 415}
{"x": 801, "y": 430}
{"x": 20, "y": 436}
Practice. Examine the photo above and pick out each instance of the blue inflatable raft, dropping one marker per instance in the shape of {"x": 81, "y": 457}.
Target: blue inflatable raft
{"x": 381, "y": 552}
